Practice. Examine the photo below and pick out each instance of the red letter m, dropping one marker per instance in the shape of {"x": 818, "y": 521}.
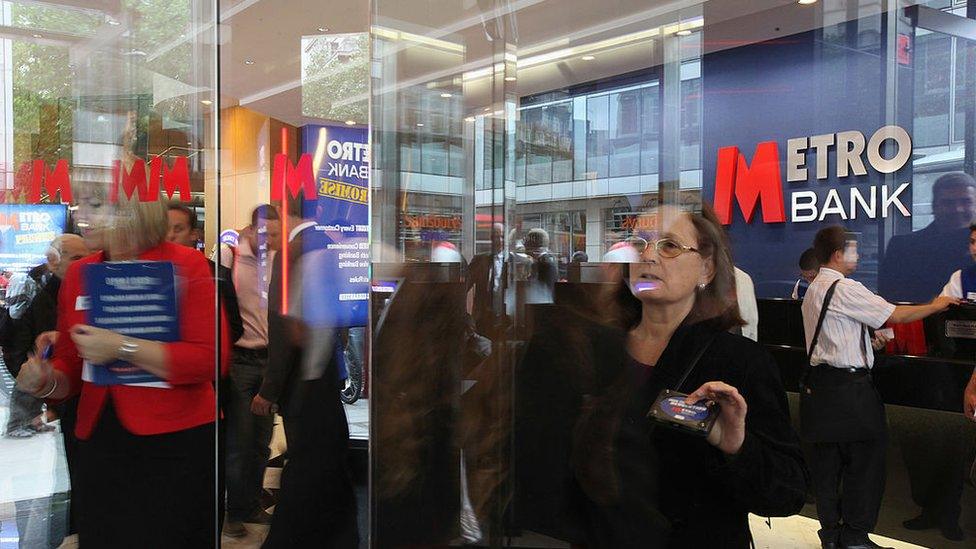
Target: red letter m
{"x": 55, "y": 182}
{"x": 761, "y": 182}
{"x": 131, "y": 181}
{"x": 177, "y": 179}
{"x": 296, "y": 178}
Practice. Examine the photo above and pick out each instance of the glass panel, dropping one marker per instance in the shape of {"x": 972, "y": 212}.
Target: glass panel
{"x": 597, "y": 136}
{"x": 107, "y": 161}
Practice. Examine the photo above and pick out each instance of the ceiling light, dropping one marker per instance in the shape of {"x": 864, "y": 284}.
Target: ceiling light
{"x": 350, "y": 122}
{"x": 113, "y": 22}
{"x": 36, "y": 35}
{"x": 684, "y": 32}
{"x": 588, "y": 58}
{"x": 248, "y": 61}
{"x": 206, "y": 102}
{"x": 806, "y": 2}
{"x": 510, "y": 79}
{"x": 323, "y": 29}
{"x": 420, "y": 124}
{"x": 189, "y": 142}
{"x": 470, "y": 119}
{"x": 446, "y": 95}
{"x": 487, "y": 109}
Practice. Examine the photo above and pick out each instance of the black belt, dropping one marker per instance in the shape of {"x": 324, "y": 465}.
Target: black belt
{"x": 262, "y": 352}
{"x": 842, "y": 370}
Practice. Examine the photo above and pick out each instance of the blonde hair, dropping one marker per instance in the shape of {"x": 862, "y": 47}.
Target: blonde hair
{"x": 138, "y": 226}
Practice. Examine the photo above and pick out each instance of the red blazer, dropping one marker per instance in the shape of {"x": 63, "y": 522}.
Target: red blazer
{"x": 190, "y": 401}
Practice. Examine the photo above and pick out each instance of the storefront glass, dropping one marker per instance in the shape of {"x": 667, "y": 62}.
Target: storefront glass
{"x": 423, "y": 209}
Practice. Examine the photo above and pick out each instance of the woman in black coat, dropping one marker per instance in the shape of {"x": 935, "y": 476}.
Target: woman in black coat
{"x": 610, "y": 477}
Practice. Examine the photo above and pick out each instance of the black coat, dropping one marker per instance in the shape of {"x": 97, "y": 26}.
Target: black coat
{"x": 590, "y": 468}
{"x": 41, "y": 316}
{"x": 282, "y": 382}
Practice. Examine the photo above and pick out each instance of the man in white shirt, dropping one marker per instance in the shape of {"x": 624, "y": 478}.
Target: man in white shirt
{"x": 962, "y": 283}
{"x": 841, "y": 412}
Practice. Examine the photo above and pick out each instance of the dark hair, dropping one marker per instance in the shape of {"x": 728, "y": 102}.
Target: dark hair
{"x": 952, "y": 180}
{"x": 191, "y": 216}
{"x": 263, "y": 211}
{"x": 808, "y": 260}
{"x": 972, "y": 228}
{"x": 829, "y": 240}
{"x": 716, "y": 303}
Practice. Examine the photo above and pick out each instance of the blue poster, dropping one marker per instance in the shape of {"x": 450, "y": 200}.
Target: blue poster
{"x": 26, "y": 231}
{"x": 340, "y": 160}
{"x": 136, "y": 299}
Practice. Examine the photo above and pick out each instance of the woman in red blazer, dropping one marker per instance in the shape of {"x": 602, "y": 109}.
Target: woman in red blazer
{"x": 146, "y": 455}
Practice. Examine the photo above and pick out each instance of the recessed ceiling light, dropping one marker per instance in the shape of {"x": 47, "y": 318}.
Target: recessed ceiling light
{"x": 323, "y": 29}
{"x": 36, "y": 35}
{"x": 206, "y": 102}
{"x": 806, "y": 2}
{"x": 189, "y": 142}
{"x": 420, "y": 124}
{"x": 113, "y": 22}
{"x": 446, "y": 95}
{"x": 487, "y": 109}
{"x": 470, "y": 119}
{"x": 588, "y": 58}
{"x": 350, "y": 122}
{"x": 510, "y": 79}
{"x": 684, "y": 32}
{"x": 248, "y": 61}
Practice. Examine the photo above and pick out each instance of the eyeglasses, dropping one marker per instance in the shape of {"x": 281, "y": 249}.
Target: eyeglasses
{"x": 665, "y": 247}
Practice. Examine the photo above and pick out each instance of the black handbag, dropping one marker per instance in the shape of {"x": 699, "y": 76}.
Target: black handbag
{"x": 837, "y": 404}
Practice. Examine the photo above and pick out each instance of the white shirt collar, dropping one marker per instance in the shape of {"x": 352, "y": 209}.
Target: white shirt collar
{"x": 299, "y": 228}
{"x": 830, "y": 273}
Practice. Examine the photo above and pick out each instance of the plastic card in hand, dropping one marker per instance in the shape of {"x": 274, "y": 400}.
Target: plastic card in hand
{"x": 671, "y": 410}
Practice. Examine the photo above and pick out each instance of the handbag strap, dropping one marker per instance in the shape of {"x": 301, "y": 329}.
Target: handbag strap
{"x": 694, "y": 362}
{"x": 820, "y": 321}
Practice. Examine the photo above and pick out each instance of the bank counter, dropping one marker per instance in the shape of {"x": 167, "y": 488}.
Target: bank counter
{"x": 921, "y": 368}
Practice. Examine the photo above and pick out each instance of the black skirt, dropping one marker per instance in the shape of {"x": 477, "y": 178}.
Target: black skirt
{"x": 146, "y": 491}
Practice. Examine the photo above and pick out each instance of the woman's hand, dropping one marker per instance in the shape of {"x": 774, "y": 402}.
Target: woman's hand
{"x": 35, "y": 376}
{"x": 729, "y": 431}
{"x": 96, "y": 345}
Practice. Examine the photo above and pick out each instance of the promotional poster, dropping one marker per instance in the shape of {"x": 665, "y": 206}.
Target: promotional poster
{"x": 26, "y": 231}
{"x": 340, "y": 162}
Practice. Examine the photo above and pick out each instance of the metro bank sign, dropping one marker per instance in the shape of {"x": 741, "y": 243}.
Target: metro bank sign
{"x": 761, "y": 182}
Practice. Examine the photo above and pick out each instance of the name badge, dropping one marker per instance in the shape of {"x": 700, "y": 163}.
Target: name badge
{"x": 82, "y": 303}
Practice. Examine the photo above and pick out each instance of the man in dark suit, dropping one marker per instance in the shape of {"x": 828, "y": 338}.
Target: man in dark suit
{"x": 317, "y": 504}
{"x": 487, "y": 277}
{"x": 940, "y": 247}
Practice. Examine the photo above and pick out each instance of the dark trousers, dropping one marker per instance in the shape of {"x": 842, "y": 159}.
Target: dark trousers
{"x": 317, "y": 503}
{"x": 848, "y": 480}
{"x": 248, "y": 435}
{"x": 146, "y": 491}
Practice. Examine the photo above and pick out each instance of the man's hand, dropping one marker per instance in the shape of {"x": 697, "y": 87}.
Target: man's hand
{"x": 260, "y": 406}
{"x": 879, "y": 341}
{"x": 943, "y": 302}
{"x": 729, "y": 431}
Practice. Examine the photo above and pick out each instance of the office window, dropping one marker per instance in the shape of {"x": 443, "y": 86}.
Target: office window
{"x": 650, "y": 128}
{"x": 625, "y": 133}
